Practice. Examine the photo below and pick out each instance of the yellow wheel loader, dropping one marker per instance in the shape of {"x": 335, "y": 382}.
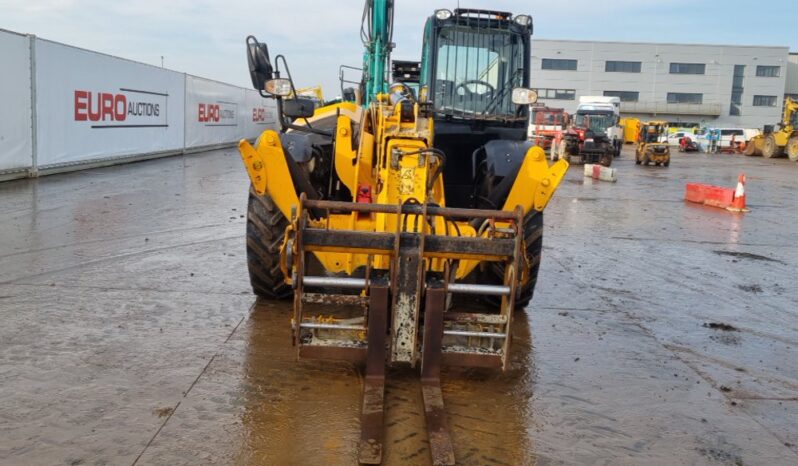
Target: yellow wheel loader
{"x": 407, "y": 228}
{"x": 650, "y": 147}
{"x": 774, "y": 143}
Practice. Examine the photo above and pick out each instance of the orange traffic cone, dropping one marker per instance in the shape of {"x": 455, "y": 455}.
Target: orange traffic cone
{"x": 738, "y": 202}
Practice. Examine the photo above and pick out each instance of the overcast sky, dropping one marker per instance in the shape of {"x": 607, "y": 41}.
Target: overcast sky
{"x": 206, "y": 37}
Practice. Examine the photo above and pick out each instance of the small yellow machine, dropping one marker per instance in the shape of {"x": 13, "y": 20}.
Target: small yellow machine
{"x": 650, "y": 147}
{"x": 774, "y": 143}
{"x": 313, "y": 93}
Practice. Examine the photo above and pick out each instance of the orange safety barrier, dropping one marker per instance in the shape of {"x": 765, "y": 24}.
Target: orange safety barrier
{"x": 732, "y": 199}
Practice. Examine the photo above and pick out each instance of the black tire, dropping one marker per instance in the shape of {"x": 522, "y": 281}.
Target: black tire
{"x": 666, "y": 163}
{"x": 533, "y": 237}
{"x": 792, "y": 149}
{"x": 770, "y": 149}
{"x": 265, "y": 230}
{"x": 606, "y": 160}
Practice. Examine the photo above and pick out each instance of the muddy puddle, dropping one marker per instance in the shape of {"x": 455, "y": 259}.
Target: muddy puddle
{"x": 315, "y": 405}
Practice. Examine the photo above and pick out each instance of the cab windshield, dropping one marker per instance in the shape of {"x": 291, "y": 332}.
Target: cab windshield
{"x": 548, "y": 118}
{"x": 476, "y": 71}
{"x": 650, "y": 134}
{"x": 596, "y": 122}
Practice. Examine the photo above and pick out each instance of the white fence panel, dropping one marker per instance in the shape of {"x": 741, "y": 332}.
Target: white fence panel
{"x": 215, "y": 112}
{"x": 218, "y": 113}
{"x": 261, "y": 114}
{"x": 16, "y": 139}
{"x": 92, "y": 107}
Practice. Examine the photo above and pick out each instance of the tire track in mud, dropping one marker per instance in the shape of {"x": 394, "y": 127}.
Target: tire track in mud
{"x": 117, "y": 257}
{"x": 187, "y": 391}
{"x": 111, "y": 239}
{"x": 724, "y": 293}
{"x": 638, "y": 322}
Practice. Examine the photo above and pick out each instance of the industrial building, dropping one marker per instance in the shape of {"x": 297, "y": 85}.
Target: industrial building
{"x": 710, "y": 85}
{"x": 791, "y": 88}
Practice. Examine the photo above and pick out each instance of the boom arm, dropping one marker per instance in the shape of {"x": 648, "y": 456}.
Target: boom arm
{"x": 790, "y": 108}
{"x": 376, "y": 33}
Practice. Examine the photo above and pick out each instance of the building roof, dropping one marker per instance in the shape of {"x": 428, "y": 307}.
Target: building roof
{"x": 663, "y": 43}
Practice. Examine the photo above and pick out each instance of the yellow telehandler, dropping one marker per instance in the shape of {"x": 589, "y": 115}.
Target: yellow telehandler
{"x": 407, "y": 228}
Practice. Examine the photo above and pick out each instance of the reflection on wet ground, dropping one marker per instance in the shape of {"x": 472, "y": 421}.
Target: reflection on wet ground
{"x": 660, "y": 333}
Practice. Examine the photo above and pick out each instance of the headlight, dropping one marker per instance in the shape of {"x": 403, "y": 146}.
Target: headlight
{"x": 443, "y": 14}
{"x": 523, "y": 20}
{"x": 280, "y": 86}
{"x": 524, "y": 96}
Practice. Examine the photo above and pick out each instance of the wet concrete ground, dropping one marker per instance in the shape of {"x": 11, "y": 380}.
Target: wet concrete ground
{"x": 130, "y": 336}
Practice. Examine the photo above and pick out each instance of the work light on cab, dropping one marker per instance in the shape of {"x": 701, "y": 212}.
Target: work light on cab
{"x": 524, "y": 96}
{"x": 443, "y": 14}
{"x": 523, "y": 20}
{"x": 280, "y": 86}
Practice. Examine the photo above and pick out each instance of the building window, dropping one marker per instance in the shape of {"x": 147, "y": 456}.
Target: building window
{"x": 736, "y": 104}
{"x": 688, "y": 68}
{"x": 768, "y": 71}
{"x": 739, "y": 75}
{"x": 558, "y": 64}
{"x": 735, "y": 108}
{"x": 685, "y": 98}
{"x": 557, "y": 94}
{"x": 764, "y": 101}
{"x": 626, "y": 96}
{"x": 622, "y": 66}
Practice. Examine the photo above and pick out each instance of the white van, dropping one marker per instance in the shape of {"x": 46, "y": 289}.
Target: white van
{"x": 674, "y": 138}
{"x": 726, "y": 135}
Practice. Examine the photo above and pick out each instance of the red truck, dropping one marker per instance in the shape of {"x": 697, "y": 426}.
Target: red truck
{"x": 546, "y": 124}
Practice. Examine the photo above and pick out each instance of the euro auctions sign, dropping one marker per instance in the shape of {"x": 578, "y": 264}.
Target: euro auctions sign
{"x": 219, "y": 113}
{"x": 124, "y": 108}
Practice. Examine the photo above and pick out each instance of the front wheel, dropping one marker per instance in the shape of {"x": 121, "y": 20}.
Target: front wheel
{"x": 533, "y": 239}
{"x": 770, "y": 149}
{"x": 606, "y": 160}
{"x": 792, "y": 148}
{"x": 265, "y": 230}
{"x": 563, "y": 153}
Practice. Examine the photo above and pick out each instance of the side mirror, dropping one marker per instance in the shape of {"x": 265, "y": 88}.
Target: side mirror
{"x": 349, "y": 94}
{"x": 298, "y": 108}
{"x": 260, "y": 66}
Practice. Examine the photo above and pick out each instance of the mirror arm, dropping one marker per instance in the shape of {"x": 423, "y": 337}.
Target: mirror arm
{"x": 287, "y": 71}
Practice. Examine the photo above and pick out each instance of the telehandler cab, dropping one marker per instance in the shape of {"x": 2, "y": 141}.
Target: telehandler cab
{"x": 382, "y": 219}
